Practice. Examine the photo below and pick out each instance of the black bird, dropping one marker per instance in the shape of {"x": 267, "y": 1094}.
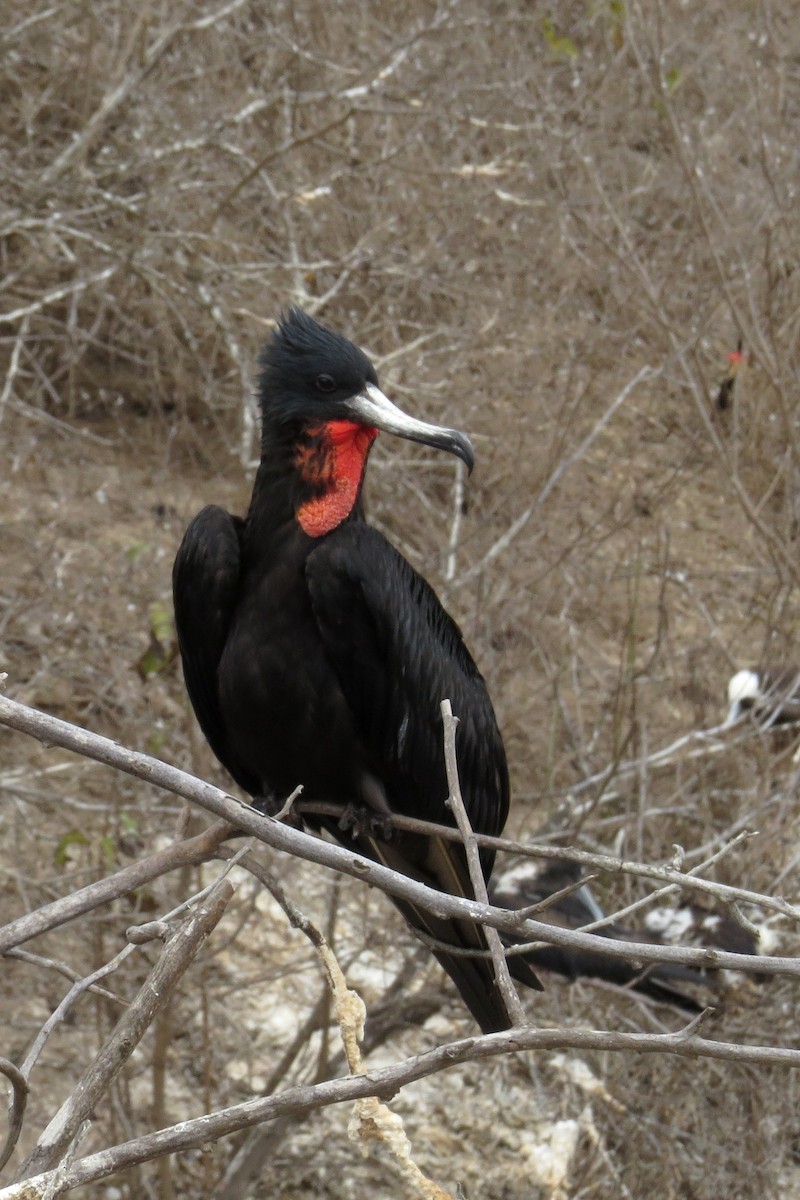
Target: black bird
{"x": 531, "y": 881}
{"x": 736, "y": 359}
{"x": 314, "y": 654}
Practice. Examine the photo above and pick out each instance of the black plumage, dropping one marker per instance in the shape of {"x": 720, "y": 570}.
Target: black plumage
{"x": 530, "y": 881}
{"x": 725, "y": 393}
{"x": 314, "y": 654}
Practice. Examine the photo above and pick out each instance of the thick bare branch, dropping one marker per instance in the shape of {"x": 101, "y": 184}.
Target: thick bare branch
{"x": 180, "y": 854}
{"x": 385, "y": 1082}
{"x": 72, "y": 737}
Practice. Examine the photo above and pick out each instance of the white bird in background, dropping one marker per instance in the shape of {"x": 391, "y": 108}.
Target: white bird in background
{"x": 771, "y": 696}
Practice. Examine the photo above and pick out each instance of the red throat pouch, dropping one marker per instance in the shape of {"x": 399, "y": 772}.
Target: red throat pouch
{"x": 335, "y": 457}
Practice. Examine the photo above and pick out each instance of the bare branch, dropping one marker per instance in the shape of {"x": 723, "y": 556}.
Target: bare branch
{"x": 456, "y": 803}
{"x": 60, "y": 1013}
{"x": 181, "y": 854}
{"x": 521, "y": 521}
{"x": 52, "y": 964}
{"x": 602, "y": 862}
{"x": 13, "y": 366}
{"x": 72, "y": 737}
{"x": 116, "y": 96}
{"x": 176, "y": 956}
{"x": 455, "y": 524}
{"x": 385, "y": 1082}
{"x": 59, "y": 293}
{"x": 16, "y": 1109}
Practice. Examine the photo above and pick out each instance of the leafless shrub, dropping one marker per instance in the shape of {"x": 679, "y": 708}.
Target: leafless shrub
{"x": 526, "y": 213}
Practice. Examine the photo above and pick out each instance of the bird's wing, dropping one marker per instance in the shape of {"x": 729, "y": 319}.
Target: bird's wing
{"x": 531, "y": 882}
{"x": 397, "y": 654}
{"x": 205, "y": 581}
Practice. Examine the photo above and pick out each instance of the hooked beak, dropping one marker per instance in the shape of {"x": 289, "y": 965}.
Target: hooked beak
{"x": 735, "y": 712}
{"x": 371, "y": 407}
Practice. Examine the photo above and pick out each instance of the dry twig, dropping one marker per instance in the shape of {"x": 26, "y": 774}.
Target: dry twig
{"x": 456, "y": 804}
{"x": 72, "y": 737}
{"x": 385, "y": 1081}
{"x": 177, "y": 955}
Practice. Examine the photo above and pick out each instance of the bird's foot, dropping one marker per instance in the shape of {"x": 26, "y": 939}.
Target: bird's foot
{"x": 358, "y": 819}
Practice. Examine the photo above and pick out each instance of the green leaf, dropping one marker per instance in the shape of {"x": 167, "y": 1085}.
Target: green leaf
{"x": 156, "y": 741}
{"x": 560, "y": 46}
{"x": 163, "y": 646}
{"x": 108, "y": 846}
{"x": 161, "y": 623}
{"x": 135, "y": 551}
{"x": 673, "y": 79}
{"x": 73, "y": 838}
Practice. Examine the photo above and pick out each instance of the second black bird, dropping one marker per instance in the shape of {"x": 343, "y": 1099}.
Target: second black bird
{"x": 314, "y": 654}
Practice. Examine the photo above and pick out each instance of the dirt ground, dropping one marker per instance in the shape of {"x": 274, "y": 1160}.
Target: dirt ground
{"x": 549, "y": 227}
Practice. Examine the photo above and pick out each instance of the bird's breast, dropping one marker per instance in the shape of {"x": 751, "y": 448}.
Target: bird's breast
{"x": 284, "y": 712}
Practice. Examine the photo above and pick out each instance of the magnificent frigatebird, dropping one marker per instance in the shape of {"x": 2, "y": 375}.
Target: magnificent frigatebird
{"x": 771, "y": 695}
{"x": 736, "y": 360}
{"x": 531, "y": 881}
{"x": 314, "y": 654}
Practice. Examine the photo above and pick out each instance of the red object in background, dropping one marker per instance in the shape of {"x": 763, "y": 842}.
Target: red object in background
{"x": 735, "y": 360}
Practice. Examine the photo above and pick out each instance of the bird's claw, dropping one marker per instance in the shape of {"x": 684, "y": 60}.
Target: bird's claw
{"x": 359, "y": 819}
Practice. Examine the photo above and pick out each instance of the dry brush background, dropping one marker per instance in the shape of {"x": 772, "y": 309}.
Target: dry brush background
{"x": 549, "y": 224}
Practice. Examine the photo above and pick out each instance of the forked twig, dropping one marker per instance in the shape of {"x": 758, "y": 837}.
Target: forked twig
{"x": 190, "y": 852}
{"x": 176, "y": 956}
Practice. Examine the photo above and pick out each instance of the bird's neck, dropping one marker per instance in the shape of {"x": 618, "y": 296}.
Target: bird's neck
{"x": 313, "y": 477}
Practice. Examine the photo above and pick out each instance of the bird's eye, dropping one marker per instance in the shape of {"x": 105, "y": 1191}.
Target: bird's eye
{"x": 326, "y": 383}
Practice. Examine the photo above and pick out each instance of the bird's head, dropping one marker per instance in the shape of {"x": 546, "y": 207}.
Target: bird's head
{"x": 313, "y": 377}
{"x": 744, "y": 691}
